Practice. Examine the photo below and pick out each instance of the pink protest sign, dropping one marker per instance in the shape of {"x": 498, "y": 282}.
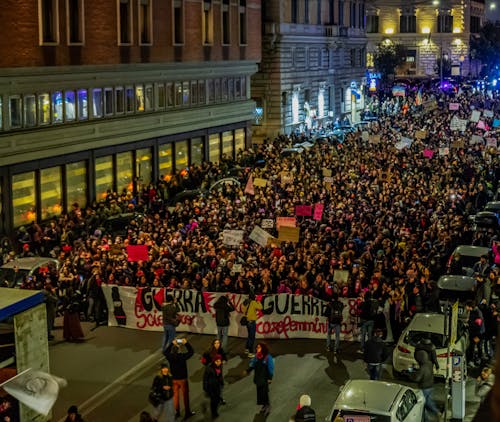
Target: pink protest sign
{"x": 303, "y": 210}
{"x": 428, "y": 153}
{"x": 137, "y": 253}
{"x": 318, "y": 211}
{"x": 285, "y": 222}
{"x": 454, "y": 106}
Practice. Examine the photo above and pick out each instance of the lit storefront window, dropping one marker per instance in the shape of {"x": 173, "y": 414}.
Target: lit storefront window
{"x": 83, "y": 112}
{"x": 43, "y": 109}
{"x": 103, "y": 176}
{"x": 181, "y": 155}
{"x": 196, "y": 150}
{"x": 139, "y": 98}
{"x": 124, "y": 172}
{"x": 227, "y": 144}
{"x": 165, "y": 159}
{"x": 214, "y": 148}
{"x": 57, "y": 107}
{"x": 321, "y": 103}
{"x": 29, "y": 111}
{"x": 76, "y": 184}
{"x": 295, "y": 108}
{"x": 97, "y": 102}
{"x": 69, "y": 106}
{"x": 23, "y": 198}
{"x": 50, "y": 192}
{"x": 239, "y": 140}
{"x": 144, "y": 166}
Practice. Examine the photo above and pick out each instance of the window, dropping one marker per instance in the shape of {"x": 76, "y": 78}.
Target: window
{"x": 217, "y": 90}
{"x": 243, "y": 21}
{"x": 243, "y": 87}
{"x": 83, "y": 113}
{"x": 139, "y": 98}
{"x": 23, "y": 198}
{"x": 119, "y": 100}
{"x": 295, "y": 11}
{"x": 211, "y": 94}
{"x": 170, "y": 94}
{"x": 97, "y": 103}
{"x": 57, "y": 107}
{"x": 144, "y": 165}
{"x": 148, "y": 98}
{"x": 352, "y": 14}
{"x": 407, "y": 24}
{"x": 178, "y": 24}
{"x": 319, "y": 20}
{"x": 227, "y": 144}
{"x": 361, "y": 16}
{"x": 108, "y": 101}
{"x": 214, "y": 148}
{"x": 341, "y": 13}
{"x": 372, "y": 24}
{"x": 224, "y": 89}
{"x": 306, "y": 11}
{"x": 43, "y": 109}
{"x": 129, "y": 99}
{"x": 124, "y": 172}
{"x": 237, "y": 88}
{"x": 202, "y": 96}
{"x": 295, "y": 107}
{"x": 331, "y": 12}
{"x": 197, "y": 150}
{"x": 76, "y": 184}
{"x": 29, "y": 111}
{"x": 74, "y": 17}
{"x": 48, "y": 21}
{"x": 226, "y": 22}
{"x": 186, "y": 91}
{"x": 50, "y": 192}
{"x": 145, "y": 22}
{"x": 230, "y": 89}
{"x": 178, "y": 93}
{"x": 160, "y": 89}
{"x": 406, "y": 405}
{"x": 475, "y": 24}
{"x": 69, "y": 106}
{"x": 207, "y": 22}
{"x": 15, "y": 111}
{"x": 124, "y": 22}
{"x": 353, "y": 57}
{"x": 194, "y": 92}
{"x": 239, "y": 140}
{"x": 181, "y": 155}
{"x": 103, "y": 176}
{"x": 165, "y": 165}
{"x": 445, "y": 21}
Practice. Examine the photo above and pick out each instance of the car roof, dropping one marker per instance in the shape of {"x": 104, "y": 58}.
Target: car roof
{"x": 470, "y": 250}
{"x": 459, "y": 283}
{"x": 492, "y": 206}
{"x": 29, "y": 262}
{"x": 368, "y": 395}
{"x": 427, "y": 322}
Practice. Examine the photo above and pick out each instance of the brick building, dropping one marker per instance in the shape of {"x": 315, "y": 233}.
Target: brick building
{"x": 111, "y": 95}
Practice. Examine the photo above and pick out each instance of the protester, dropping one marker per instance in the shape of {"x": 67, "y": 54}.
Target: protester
{"x": 375, "y": 354}
{"x": 163, "y": 386}
{"x": 424, "y": 377}
{"x": 169, "y": 312}
{"x": 223, "y": 309}
{"x": 177, "y": 354}
{"x": 263, "y": 366}
{"x": 73, "y": 415}
{"x": 208, "y": 357}
{"x": 426, "y": 344}
{"x": 334, "y": 314}
{"x": 305, "y": 413}
{"x": 213, "y": 383}
{"x": 251, "y": 309}
{"x": 51, "y": 304}
{"x": 72, "y": 328}
{"x": 484, "y": 383}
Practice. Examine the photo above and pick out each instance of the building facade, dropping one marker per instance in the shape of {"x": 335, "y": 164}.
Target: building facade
{"x": 112, "y": 95}
{"x": 313, "y": 64}
{"x": 433, "y": 32}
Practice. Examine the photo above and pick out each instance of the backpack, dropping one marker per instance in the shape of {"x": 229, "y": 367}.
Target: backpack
{"x": 336, "y": 312}
{"x": 369, "y": 310}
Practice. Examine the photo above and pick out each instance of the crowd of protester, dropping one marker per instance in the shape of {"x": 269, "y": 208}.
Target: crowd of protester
{"x": 392, "y": 217}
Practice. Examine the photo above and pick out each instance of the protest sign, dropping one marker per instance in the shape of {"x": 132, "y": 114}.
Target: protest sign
{"x": 137, "y": 253}
{"x": 421, "y": 134}
{"x": 267, "y": 223}
{"x": 475, "y": 116}
{"x": 326, "y": 172}
{"x": 444, "y": 151}
{"x": 261, "y": 183}
{"x": 285, "y": 222}
{"x": 303, "y": 210}
{"x": 288, "y": 234}
{"x": 365, "y": 135}
{"x": 454, "y": 106}
{"x": 374, "y": 139}
{"x": 232, "y": 237}
{"x": 476, "y": 139}
{"x": 428, "y": 153}
{"x": 286, "y": 178}
{"x": 260, "y": 236}
{"x": 318, "y": 211}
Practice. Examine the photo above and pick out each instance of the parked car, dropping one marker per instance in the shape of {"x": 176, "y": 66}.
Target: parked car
{"x": 191, "y": 194}
{"x": 456, "y": 287}
{"x": 287, "y": 152}
{"x": 377, "y": 401}
{"x": 422, "y": 325}
{"x": 17, "y": 270}
{"x": 117, "y": 225}
{"x": 469, "y": 255}
{"x": 493, "y": 206}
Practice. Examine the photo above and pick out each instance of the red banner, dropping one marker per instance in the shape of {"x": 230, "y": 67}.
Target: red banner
{"x": 137, "y": 253}
{"x": 303, "y": 210}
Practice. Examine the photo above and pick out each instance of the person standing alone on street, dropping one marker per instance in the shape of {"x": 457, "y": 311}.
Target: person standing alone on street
{"x": 334, "y": 314}
{"x": 250, "y": 309}
{"x": 169, "y": 311}
{"x": 368, "y": 312}
{"x": 263, "y": 366}
{"x": 213, "y": 383}
{"x": 375, "y": 354}
{"x": 223, "y": 308}
{"x": 163, "y": 386}
{"x": 424, "y": 377}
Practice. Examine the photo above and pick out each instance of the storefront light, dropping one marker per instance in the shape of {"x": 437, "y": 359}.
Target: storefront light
{"x": 295, "y": 107}
{"x": 426, "y": 30}
{"x": 321, "y": 104}
{"x": 389, "y": 31}
{"x": 457, "y": 30}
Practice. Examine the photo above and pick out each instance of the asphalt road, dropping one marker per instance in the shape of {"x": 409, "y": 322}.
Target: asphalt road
{"x": 109, "y": 375}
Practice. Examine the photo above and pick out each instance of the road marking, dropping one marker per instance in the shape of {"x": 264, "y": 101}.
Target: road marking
{"x": 122, "y": 381}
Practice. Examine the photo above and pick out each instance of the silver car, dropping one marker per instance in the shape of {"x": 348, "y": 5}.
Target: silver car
{"x": 15, "y": 271}
{"x": 377, "y": 401}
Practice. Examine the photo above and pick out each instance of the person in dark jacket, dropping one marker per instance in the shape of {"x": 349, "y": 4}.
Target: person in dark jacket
{"x": 223, "y": 308}
{"x": 368, "y": 313}
{"x": 212, "y": 384}
{"x": 209, "y": 356}
{"x": 263, "y": 366}
{"x": 177, "y": 355}
{"x": 426, "y": 344}
{"x": 305, "y": 413}
{"x": 169, "y": 311}
{"x": 375, "y": 354}
{"x": 163, "y": 385}
{"x": 424, "y": 377}
{"x": 73, "y": 415}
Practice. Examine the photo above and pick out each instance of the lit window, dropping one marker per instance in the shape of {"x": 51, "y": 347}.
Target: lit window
{"x": 227, "y": 144}
{"x": 124, "y": 172}
{"x": 139, "y": 98}
{"x": 181, "y": 155}
{"x": 165, "y": 165}
{"x": 83, "y": 112}
{"x": 23, "y": 198}
{"x": 197, "y": 152}
{"x": 295, "y": 108}
{"x": 69, "y": 106}
{"x": 97, "y": 103}
{"x": 170, "y": 94}
{"x": 207, "y": 22}
{"x": 185, "y": 93}
{"x": 214, "y": 148}
{"x": 15, "y": 111}
{"x": 50, "y": 192}
{"x": 103, "y": 176}
{"x": 43, "y": 109}
{"x": 57, "y": 107}
{"x": 29, "y": 111}
{"x": 144, "y": 165}
{"x": 129, "y": 99}
{"x": 148, "y": 98}
{"x": 239, "y": 140}
{"x": 76, "y": 184}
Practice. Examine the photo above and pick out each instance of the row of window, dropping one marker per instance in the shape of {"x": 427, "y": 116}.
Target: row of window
{"x": 41, "y": 194}
{"x": 137, "y": 13}
{"x": 408, "y": 24}
{"x": 30, "y": 110}
{"x": 335, "y": 13}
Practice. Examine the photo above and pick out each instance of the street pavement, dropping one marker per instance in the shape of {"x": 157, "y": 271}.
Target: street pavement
{"x": 110, "y": 373}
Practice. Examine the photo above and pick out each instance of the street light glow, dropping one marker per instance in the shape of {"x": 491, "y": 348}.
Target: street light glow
{"x": 389, "y": 31}
{"x": 426, "y": 30}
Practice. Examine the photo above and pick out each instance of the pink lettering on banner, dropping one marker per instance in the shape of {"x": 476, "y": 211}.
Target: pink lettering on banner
{"x": 303, "y": 210}
{"x": 318, "y": 211}
{"x": 287, "y": 324}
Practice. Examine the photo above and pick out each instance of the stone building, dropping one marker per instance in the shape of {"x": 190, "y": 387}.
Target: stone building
{"x": 313, "y": 64}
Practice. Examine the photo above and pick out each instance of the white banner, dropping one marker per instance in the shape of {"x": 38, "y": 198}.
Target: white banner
{"x": 260, "y": 236}
{"x": 283, "y": 315}
{"x": 232, "y": 237}
{"x": 35, "y": 389}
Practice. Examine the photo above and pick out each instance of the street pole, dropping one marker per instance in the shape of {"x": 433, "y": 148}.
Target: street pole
{"x": 441, "y": 66}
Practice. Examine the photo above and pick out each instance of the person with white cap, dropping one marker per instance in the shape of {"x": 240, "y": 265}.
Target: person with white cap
{"x": 305, "y": 413}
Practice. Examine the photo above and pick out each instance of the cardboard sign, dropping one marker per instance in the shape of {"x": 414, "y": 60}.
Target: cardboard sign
{"x": 237, "y": 268}
{"x": 481, "y": 125}
{"x": 454, "y": 106}
{"x": 487, "y": 113}
{"x": 137, "y": 253}
{"x": 374, "y": 139}
{"x": 326, "y": 172}
{"x": 303, "y": 210}
{"x": 341, "y": 276}
{"x": 496, "y": 123}
{"x": 444, "y": 151}
{"x": 232, "y": 237}
{"x": 328, "y": 180}
{"x": 491, "y": 142}
{"x": 288, "y": 234}
{"x": 475, "y": 116}
{"x": 318, "y": 211}
{"x": 267, "y": 223}
{"x": 261, "y": 183}
{"x": 285, "y": 222}
{"x": 260, "y": 236}
{"x": 476, "y": 139}
{"x": 365, "y": 135}
{"x": 458, "y": 144}
{"x": 421, "y": 134}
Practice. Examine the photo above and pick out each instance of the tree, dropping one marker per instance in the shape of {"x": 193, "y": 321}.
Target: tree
{"x": 485, "y": 47}
{"x": 388, "y": 55}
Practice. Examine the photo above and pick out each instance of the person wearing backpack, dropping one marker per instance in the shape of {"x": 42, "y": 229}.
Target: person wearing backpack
{"x": 334, "y": 319}
{"x": 368, "y": 312}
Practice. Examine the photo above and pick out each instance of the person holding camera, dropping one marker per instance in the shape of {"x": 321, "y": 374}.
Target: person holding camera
{"x": 177, "y": 354}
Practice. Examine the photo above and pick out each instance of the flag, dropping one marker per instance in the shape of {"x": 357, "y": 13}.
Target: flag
{"x": 249, "y": 187}
{"x": 418, "y": 99}
{"x": 36, "y": 389}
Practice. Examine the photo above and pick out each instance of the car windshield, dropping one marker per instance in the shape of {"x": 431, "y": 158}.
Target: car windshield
{"x": 14, "y": 278}
{"x": 413, "y": 337}
{"x": 354, "y": 416}
{"x": 454, "y": 295}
